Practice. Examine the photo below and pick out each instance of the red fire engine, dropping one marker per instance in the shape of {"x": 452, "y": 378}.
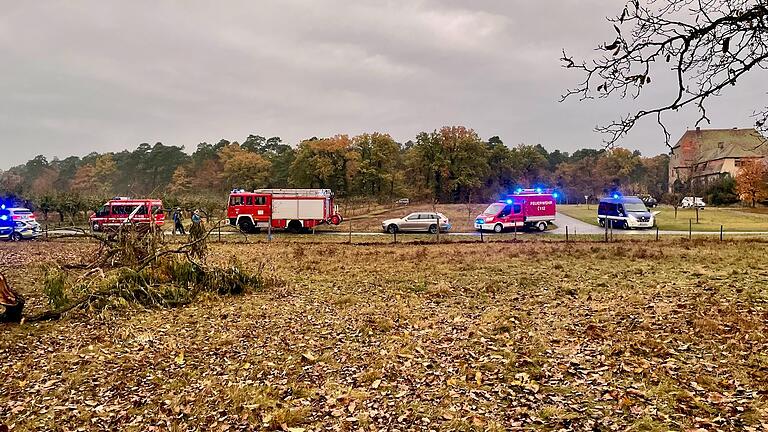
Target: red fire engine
{"x": 292, "y": 209}
{"x": 531, "y": 208}
{"x": 122, "y": 211}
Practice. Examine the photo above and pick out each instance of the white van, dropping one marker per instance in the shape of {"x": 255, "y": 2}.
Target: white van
{"x": 692, "y": 202}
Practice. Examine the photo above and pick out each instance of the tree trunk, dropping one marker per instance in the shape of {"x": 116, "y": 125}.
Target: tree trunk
{"x": 13, "y": 302}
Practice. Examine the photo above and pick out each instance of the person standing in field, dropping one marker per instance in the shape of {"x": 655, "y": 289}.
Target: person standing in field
{"x": 196, "y": 219}
{"x": 177, "y": 222}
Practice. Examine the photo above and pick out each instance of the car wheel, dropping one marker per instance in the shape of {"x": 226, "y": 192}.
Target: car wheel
{"x": 498, "y": 228}
{"x": 392, "y": 228}
{"x": 601, "y": 222}
{"x": 625, "y": 225}
{"x": 542, "y": 226}
{"x": 433, "y": 229}
{"x": 15, "y": 237}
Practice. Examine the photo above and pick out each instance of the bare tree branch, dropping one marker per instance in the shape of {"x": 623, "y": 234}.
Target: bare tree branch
{"x": 706, "y": 45}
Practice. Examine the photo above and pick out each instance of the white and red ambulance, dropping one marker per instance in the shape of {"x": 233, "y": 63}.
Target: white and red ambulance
{"x": 124, "y": 211}
{"x": 291, "y": 209}
{"x": 526, "y": 208}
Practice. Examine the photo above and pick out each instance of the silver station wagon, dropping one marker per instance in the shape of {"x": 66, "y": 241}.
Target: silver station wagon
{"x": 418, "y": 221}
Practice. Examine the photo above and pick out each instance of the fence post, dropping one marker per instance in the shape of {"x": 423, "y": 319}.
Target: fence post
{"x": 350, "y": 231}
{"x": 690, "y": 228}
{"x": 605, "y": 224}
{"x": 219, "y": 231}
{"x": 514, "y": 227}
{"x": 438, "y": 229}
{"x": 657, "y": 233}
{"x": 394, "y": 236}
{"x": 482, "y": 240}
{"x": 269, "y": 230}
{"x": 566, "y": 233}
{"x": 721, "y": 233}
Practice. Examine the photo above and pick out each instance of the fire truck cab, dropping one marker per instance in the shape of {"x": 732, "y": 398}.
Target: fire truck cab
{"x": 121, "y": 211}
{"x": 291, "y": 209}
{"x": 526, "y": 208}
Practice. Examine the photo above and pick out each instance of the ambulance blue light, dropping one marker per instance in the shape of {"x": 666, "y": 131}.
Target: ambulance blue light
{"x": 518, "y": 190}
{"x": 615, "y": 196}
{"x": 3, "y": 217}
{"x": 2, "y": 206}
{"x": 538, "y": 190}
{"x": 555, "y": 195}
{"x": 509, "y": 201}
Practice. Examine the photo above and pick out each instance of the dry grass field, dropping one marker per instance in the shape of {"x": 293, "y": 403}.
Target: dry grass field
{"x": 668, "y": 335}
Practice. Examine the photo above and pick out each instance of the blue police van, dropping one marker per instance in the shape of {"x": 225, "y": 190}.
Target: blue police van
{"x": 624, "y": 212}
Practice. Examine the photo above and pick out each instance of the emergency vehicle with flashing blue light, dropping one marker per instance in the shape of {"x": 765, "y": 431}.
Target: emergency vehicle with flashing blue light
{"x": 18, "y": 223}
{"x": 625, "y": 212}
{"x": 525, "y": 208}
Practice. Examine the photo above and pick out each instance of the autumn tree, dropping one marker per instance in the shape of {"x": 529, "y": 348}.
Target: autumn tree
{"x": 95, "y": 178}
{"x": 379, "y": 159}
{"x": 181, "y": 182}
{"x": 452, "y": 162}
{"x": 325, "y": 163}
{"x": 752, "y": 181}
{"x": 243, "y": 168}
{"x": 700, "y": 47}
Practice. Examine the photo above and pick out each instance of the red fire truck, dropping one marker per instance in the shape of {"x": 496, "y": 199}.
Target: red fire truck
{"x": 292, "y": 209}
{"x": 122, "y": 211}
{"x": 526, "y": 208}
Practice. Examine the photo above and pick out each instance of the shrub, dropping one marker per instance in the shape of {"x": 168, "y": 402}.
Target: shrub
{"x": 722, "y": 192}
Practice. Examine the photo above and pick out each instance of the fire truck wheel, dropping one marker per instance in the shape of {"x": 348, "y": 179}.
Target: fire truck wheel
{"x": 601, "y": 222}
{"x": 294, "y": 226}
{"x": 433, "y": 229}
{"x": 335, "y": 219}
{"x": 498, "y": 228}
{"x": 542, "y": 226}
{"x": 392, "y": 228}
{"x": 96, "y": 227}
{"x": 246, "y": 226}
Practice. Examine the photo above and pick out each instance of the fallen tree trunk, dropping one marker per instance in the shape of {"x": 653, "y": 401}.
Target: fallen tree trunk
{"x": 13, "y": 302}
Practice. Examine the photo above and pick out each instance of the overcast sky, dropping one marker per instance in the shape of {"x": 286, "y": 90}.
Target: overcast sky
{"x": 83, "y": 76}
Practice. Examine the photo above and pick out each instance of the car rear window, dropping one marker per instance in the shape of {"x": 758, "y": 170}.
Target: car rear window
{"x": 22, "y": 212}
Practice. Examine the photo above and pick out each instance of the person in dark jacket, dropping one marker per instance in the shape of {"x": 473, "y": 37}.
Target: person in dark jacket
{"x": 177, "y": 224}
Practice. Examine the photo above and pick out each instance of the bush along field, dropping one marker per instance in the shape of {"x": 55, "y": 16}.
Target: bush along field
{"x": 633, "y": 335}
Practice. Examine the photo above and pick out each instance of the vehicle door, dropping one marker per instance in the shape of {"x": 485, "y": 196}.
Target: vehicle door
{"x": 411, "y": 222}
{"x": 517, "y": 216}
{"x": 505, "y": 215}
{"x": 102, "y": 214}
{"x": 427, "y": 220}
{"x": 620, "y": 211}
{"x": 236, "y": 203}
{"x": 259, "y": 207}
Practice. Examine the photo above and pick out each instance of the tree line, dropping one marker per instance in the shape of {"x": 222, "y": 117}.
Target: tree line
{"x": 450, "y": 164}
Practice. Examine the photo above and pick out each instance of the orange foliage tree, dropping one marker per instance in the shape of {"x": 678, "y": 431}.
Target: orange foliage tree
{"x": 751, "y": 182}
